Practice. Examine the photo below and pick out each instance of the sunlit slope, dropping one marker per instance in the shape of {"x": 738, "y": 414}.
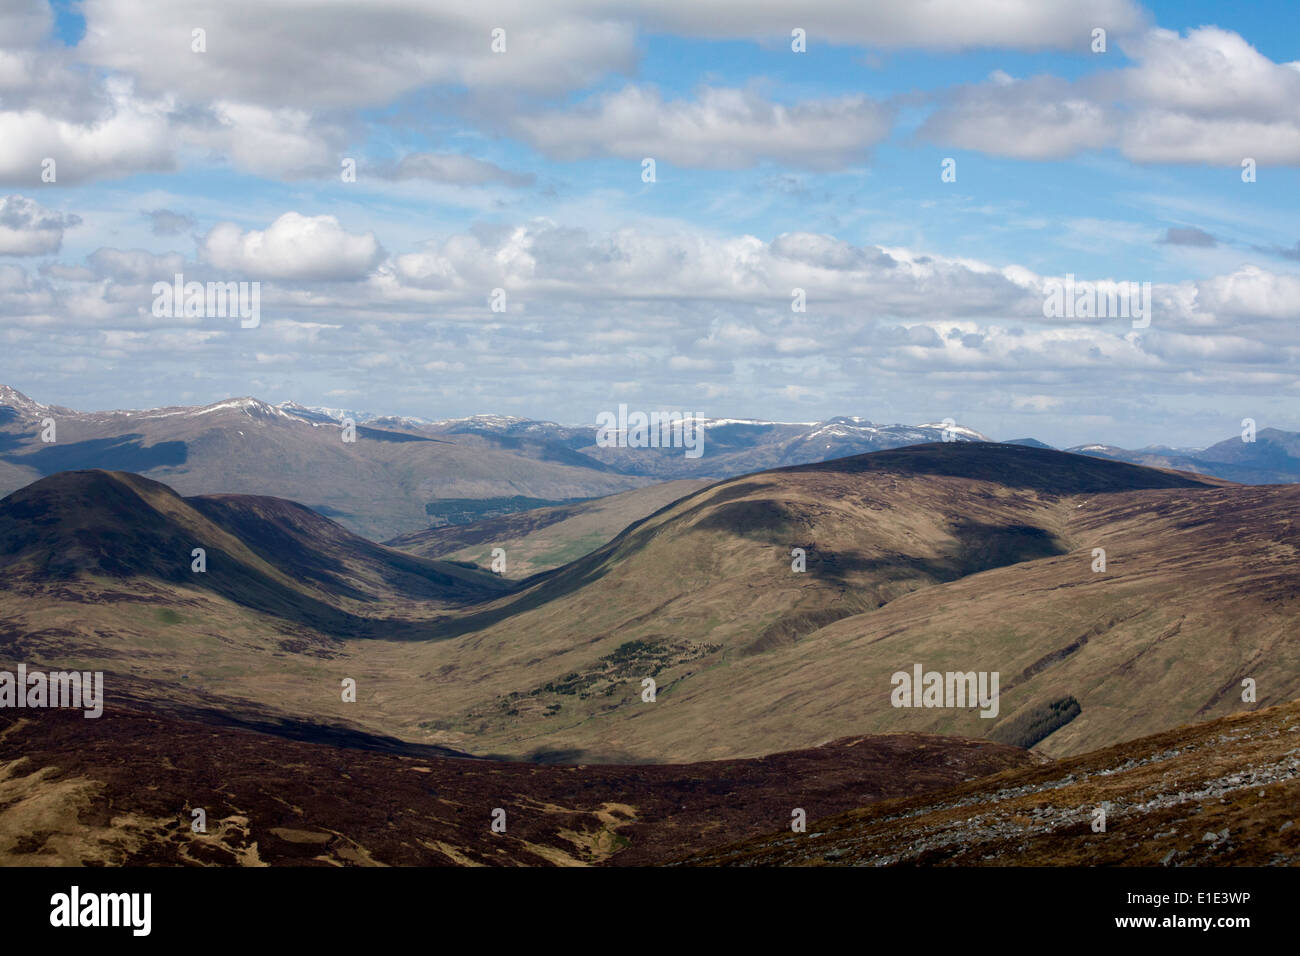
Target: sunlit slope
{"x": 972, "y": 557}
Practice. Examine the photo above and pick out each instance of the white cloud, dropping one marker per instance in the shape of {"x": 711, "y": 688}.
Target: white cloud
{"x": 293, "y": 247}
{"x": 1211, "y": 72}
{"x": 276, "y": 89}
{"x": 130, "y": 136}
{"x": 1251, "y": 293}
{"x": 269, "y": 52}
{"x": 273, "y": 52}
{"x": 1042, "y": 118}
{"x": 271, "y": 142}
{"x": 1162, "y": 136}
{"x": 935, "y": 25}
{"x": 1207, "y": 97}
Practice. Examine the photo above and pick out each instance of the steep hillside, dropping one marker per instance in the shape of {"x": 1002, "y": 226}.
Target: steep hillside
{"x": 79, "y": 529}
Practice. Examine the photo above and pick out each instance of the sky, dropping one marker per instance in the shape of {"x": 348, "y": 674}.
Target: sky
{"x": 924, "y": 174}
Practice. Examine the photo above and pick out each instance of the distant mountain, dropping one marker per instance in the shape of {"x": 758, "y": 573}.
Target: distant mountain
{"x": 732, "y": 446}
{"x": 404, "y": 474}
{"x": 378, "y": 486}
{"x": 384, "y": 483}
{"x": 1272, "y": 458}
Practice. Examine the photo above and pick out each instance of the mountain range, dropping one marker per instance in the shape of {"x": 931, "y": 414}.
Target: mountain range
{"x": 747, "y": 602}
{"x": 404, "y": 475}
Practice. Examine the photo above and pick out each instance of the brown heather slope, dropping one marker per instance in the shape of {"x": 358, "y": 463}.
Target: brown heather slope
{"x": 1221, "y": 793}
{"x": 119, "y": 790}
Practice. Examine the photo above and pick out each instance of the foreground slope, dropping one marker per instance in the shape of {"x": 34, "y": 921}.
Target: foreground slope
{"x": 71, "y": 794}
{"x": 1221, "y": 793}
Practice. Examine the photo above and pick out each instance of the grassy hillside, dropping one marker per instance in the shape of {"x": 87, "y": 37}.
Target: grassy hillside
{"x": 961, "y": 557}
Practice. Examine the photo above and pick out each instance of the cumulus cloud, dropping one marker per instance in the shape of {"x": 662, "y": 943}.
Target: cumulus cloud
{"x": 1250, "y": 293}
{"x": 1042, "y": 118}
{"x": 29, "y": 229}
{"x": 263, "y": 97}
{"x": 268, "y": 52}
{"x": 281, "y": 142}
{"x": 662, "y": 311}
{"x": 1209, "y": 72}
{"x": 543, "y": 266}
{"x": 123, "y": 135}
{"x": 294, "y": 247}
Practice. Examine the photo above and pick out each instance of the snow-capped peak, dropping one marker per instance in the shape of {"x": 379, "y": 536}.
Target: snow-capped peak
{"x": 249, "y": 406}
{"x": 16, "y": 399}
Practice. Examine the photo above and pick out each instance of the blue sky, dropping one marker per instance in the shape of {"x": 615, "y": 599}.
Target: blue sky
{"x": 775, "y": 170}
